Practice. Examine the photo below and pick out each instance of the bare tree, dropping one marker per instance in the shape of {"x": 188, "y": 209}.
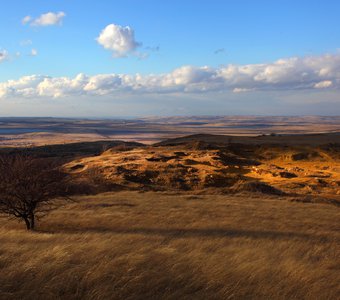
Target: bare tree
{"x": 30, "y": 187}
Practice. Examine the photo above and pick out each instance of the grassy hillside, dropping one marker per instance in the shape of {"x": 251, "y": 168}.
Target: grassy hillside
{"x": 134, "y": 245}
{"x": 200, "y": 162}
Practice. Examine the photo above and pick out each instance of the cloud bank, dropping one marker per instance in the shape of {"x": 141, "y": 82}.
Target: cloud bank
{"x": 296, "y": 73}
{"x": 120, "y": 40}
{"x": 48, "y": 19}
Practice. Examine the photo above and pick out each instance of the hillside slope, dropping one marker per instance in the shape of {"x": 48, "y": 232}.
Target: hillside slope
{"x": 200, "y": 162}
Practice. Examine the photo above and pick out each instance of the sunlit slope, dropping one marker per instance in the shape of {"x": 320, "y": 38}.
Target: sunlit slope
{"x": 200, "y": 162}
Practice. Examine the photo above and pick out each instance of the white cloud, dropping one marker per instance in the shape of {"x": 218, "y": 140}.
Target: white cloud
{"x": 34, "y": 52}
{"x": 306, "y": 73}
{"x": 25, "y": 87}
{"x": 47, "y": 19}
{"x": 3, "y": 55}
{"x": 120, "y": 40}
{"x": 26, "y": 20}
{"x": 241, "y": 90}
{"x": 323, "y": 84}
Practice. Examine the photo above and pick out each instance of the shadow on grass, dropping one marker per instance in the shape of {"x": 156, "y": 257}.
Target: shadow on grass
{"x": 176, "y": 233}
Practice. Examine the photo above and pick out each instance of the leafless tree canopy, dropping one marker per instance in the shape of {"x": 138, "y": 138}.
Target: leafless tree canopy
{"x": 30, "y": 187}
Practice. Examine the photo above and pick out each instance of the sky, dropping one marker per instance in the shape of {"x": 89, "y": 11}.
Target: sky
{"x": 82, "y": 58}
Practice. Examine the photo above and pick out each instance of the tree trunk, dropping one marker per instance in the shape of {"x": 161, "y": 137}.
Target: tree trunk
{"x": 28, "y": 224}
{"x": 32, "y": 221}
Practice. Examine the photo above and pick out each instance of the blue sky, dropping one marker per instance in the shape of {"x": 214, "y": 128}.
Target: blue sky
{"x": 199, "y": 39}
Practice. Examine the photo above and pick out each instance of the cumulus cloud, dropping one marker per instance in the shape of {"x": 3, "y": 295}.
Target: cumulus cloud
{"x": 305, "y": 73}
{"x": 120, "y": 40}
{"x": 3, "y": 55}
{"x": 48, "y": 19}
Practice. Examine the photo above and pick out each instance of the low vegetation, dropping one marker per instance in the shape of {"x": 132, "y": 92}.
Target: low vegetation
{"x": 157, "y": 245}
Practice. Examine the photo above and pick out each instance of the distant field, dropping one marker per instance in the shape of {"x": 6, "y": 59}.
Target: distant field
{"x": 133, "y": 245}
{"x": 40, "y": 131}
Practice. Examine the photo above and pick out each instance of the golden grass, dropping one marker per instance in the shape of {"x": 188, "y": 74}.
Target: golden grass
{"x": 132, "y": 245}
{"x": 295, "y": 170}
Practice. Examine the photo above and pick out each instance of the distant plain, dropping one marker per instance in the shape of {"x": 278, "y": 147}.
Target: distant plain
{"x": 41, "y": 131}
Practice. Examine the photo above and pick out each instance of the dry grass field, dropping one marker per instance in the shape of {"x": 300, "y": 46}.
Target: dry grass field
{"x": 197, "y": 217}
{"x": 165, "y": 245}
